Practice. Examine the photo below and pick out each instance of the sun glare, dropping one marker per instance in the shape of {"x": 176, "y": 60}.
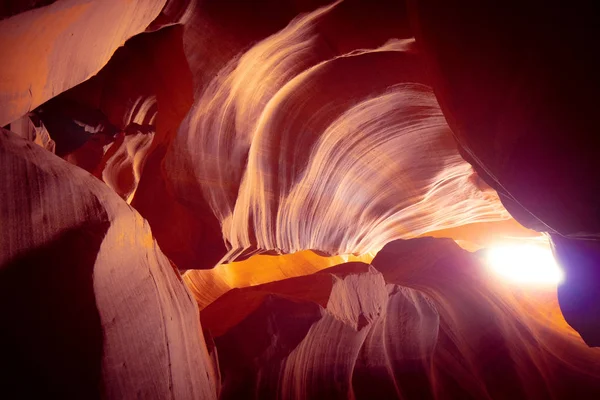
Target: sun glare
{"x": 526, "y": 263}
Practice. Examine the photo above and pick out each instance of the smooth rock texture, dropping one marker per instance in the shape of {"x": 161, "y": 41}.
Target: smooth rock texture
{"x": 209, "y": 284}
{"x": 578, "y": 294}
{"x": 319, "y": 336}
{"x": 399, "y": 329}
{"x": 51, "y": 49}
{"x": 91, "y": 308}
{"x": 521, "y": 103}
{"x": 274, "y": 153}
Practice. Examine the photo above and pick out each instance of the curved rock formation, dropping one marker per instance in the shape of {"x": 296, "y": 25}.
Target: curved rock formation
{"x": 291, "y": 152}
{"x": 578, "y": 295}
{"x": 90, "y": 306}
{"x": 401, "y": 328}
{"x": 208, "y": 285}
{"x": 279, "y": 150}
{"x": 51, "y": 49}
{"x": 537, "y": 86}
{"x": 521, "y": 104}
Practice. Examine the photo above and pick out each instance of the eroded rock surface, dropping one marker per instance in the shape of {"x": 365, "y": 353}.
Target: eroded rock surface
{"x": 50, "y": 49}
{"x": 290, "y": 151}
{"x": 400, "y": 328}
{"x": 521, "y": 104}
{"x": 90, "y": 306}
{"x": 265, "y": 142}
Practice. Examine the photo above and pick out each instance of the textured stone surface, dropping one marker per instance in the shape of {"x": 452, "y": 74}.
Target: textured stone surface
{"x": 90, "y": 305}
{"x": 401, "y": 328}
{"x": 51, "y": 49}
{"x": 291, "y": 150}
{"x": 265, "y": 142}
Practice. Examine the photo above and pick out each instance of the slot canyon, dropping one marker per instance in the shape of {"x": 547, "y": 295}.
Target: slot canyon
{"x": 299, "y": 199}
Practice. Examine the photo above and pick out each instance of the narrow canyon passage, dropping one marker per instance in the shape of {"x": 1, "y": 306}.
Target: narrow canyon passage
{"x": 299, "y": 199}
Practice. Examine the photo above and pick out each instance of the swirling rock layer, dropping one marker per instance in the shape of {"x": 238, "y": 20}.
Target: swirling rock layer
{"x": 267, "y": 142}
{"x": 399, "y": 329}
{"x": 290, "y": 151}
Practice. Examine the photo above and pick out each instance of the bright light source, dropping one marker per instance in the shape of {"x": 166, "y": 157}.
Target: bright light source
{"x": 525, "y": 264}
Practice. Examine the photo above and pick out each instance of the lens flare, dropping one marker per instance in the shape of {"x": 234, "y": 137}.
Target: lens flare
{"x": 525, "y": 263}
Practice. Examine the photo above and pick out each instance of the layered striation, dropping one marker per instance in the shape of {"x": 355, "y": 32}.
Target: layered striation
{"x": 91, "y": 307}
{"x": 295, "y": 159}
{"x": 400, "y": 328}
{"x": 50, "y": 49}
{"x": 290, "y": 150}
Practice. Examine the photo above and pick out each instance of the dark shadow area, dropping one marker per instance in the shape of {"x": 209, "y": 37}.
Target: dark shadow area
{"x": 51, "y": 334}
{"x": 273, "y": 331}
{"x": 8, "y": 8}
{"x": 578, "y": 295}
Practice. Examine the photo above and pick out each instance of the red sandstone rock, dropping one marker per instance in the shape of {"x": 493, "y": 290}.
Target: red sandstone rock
{"x": 519, "y": 92}
{"x": 90, "y": 306}
{"x": 291, "y": 150}
{"x": 403, "y": 329}
{"x": 278, "y": 127}
{"x": 51, "y": 49}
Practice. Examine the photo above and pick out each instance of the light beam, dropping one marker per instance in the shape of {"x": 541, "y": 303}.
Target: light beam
{"x": 524, "y": 263}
